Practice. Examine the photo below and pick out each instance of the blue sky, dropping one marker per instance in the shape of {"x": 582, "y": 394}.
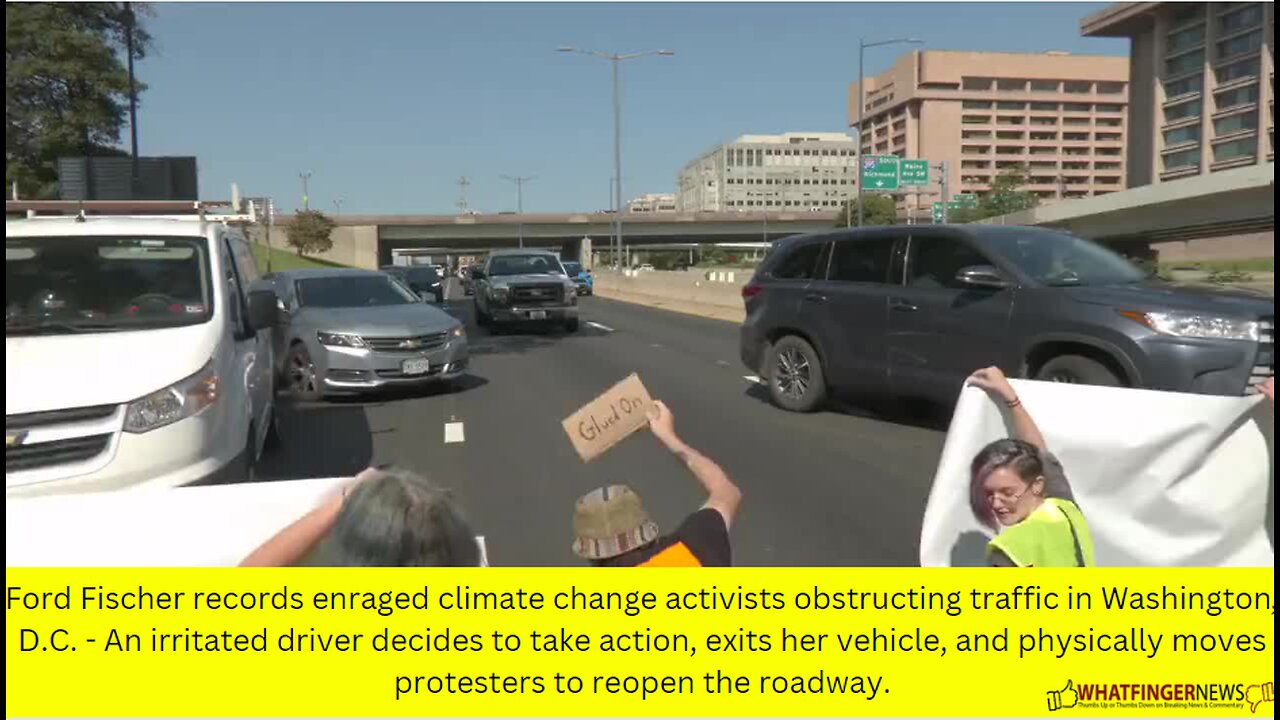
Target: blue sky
{"x": 388, "y": 104}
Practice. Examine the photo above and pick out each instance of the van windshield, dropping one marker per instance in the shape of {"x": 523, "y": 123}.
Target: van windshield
{"x": 67, "y": 285}
{"x": 1062, "y": 260}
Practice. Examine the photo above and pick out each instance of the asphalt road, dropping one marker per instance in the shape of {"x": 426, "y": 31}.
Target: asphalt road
{"x": 828, "y": 489}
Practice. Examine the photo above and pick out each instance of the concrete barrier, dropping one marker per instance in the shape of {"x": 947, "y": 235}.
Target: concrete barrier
{"x": 721, "y": 289}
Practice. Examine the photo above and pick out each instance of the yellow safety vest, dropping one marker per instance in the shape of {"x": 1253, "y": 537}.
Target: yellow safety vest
{"x": 1055, "y": 535}
{"x": 677, "y": 555}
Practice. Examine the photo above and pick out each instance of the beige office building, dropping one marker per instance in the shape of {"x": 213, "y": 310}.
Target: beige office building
{"x": 1201, "y": 85}
{"x": 1059, "y": 116}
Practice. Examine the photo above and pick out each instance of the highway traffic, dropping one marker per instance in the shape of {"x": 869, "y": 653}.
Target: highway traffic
{"x": 834, "y": 488}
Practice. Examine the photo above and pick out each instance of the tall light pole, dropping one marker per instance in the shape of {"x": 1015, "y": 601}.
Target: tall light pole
{"x": 337, "y": 207}
{"x": 519, "y": 181}
{"x": 616, "y": 59}
{"x": 306, "y": 198}
{"x": 862, "y": 106}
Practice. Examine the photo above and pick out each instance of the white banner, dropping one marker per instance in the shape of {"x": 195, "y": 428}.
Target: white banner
{"x": 1164, "y": 479}
{"x": 215, "y": 526}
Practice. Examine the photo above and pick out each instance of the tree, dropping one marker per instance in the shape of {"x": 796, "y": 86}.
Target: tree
{"x": 66, "y": 85}
{"x": 1006, "y": 196}
{"x": 880, "y": 210}
{"x": 310, "y": 232}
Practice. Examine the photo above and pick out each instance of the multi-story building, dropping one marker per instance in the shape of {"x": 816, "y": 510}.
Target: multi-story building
{"x": 653, "y": 203}
{"x": 1201, "y": 85}
{"x": 793, "y": 171}
{"x": 1059, "y": 117}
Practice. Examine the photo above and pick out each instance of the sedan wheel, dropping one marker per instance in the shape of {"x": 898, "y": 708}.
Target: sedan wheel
{"x": 300, "y": 379}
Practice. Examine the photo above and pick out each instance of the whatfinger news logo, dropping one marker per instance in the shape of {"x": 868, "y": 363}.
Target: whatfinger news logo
{"x": 1167, "y": 696}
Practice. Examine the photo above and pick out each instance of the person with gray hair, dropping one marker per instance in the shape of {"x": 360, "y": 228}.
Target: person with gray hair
{"x": 386, "y": 517}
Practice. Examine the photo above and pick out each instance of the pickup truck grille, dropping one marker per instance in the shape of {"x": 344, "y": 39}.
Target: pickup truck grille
{"x": 533, "y": 295}
{"x": 57, "y": 452}
{"x": 407, "y": 344}
{"x": 1265, "y": 365}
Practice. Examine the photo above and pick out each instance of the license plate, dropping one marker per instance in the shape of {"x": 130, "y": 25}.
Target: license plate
{"x": 537, "y": 314}
{"x": 416, "y": 366}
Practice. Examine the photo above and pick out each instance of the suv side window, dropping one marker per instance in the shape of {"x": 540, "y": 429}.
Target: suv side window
{"x": 934, "y": 262}
{"x": 800, "y": 263}
{"x": 862, "y": 260}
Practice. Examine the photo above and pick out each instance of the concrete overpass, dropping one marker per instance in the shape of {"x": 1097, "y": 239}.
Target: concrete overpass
{"x": 371, "y": 240}
{"x": 1223, "y": 215}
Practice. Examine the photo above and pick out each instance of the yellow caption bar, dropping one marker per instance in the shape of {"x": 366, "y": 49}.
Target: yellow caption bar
{"x": 654, "y": 642}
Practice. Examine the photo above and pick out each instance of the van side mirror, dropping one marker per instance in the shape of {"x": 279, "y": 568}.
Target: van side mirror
{"x": 477, "y": 274}
{"x": 264, "y": 309}
{"x": 982, "y": 276}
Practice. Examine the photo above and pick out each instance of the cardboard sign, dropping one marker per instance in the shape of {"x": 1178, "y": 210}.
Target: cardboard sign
{"x": 609, "y": 419}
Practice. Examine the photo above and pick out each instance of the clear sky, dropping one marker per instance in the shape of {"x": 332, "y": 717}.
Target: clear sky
{"x": 388, "y": 104}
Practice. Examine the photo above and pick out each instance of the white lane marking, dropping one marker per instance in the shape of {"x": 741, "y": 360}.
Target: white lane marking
{"x": 655, "y": 345}
{"x": 484, "y": 551}
{"x": 752, "y": 379}
{"x": 454, "y": 433}
{"x": 722, "y": 363}
{"x": 598, "y": 326}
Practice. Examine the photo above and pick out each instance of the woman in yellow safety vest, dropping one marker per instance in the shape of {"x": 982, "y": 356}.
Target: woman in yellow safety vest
{"x": 1018, "y": 490}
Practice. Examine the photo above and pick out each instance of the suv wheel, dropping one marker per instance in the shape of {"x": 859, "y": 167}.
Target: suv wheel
{"x": 481, "y": 318}
{"x": 796, "y": 380}
{"x": 1078, "y": 370}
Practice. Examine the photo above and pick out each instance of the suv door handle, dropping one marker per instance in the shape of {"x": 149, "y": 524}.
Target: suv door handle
{"x": 902, "y": 305}
{"x": 815, "y": 297}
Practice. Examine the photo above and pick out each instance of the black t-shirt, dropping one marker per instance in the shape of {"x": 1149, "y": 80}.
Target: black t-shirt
{"x": 703, "y": 533}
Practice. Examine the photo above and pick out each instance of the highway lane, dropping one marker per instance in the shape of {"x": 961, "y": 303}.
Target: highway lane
{"x": 831, "y": 488}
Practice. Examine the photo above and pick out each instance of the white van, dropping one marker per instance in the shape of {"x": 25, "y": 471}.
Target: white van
{"x": 137, "y": 353}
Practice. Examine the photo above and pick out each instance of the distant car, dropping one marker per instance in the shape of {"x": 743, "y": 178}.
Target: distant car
{"x": 422, "y": 279}
{"x": 646, "y": 268}
{"x": 525, "y": 286}
{"x": 469, "y": 280}
{"x": 348, "y": 331}
{"x": 581, "y": 278}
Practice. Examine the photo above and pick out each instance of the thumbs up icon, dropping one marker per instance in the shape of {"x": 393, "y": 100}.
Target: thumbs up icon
{"x": 1258, "y": 694}
{"x": 1064, "y": 698}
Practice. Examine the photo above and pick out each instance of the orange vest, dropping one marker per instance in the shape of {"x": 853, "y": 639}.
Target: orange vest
{"x": 678, "y": 555}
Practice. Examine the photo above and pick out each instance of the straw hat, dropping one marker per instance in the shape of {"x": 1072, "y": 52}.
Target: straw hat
{"x": 610, "y": 521}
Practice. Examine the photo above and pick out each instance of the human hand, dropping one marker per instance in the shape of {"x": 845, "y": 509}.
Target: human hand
{"x": 344, "y": 488}
{"x": 1268, "y": 388}
{"x": 993, "y": 380}
{"x": 661, "y": 421}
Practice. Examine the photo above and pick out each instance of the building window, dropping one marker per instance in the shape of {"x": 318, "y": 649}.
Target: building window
{"x": 1108, "y": 152}
{"x": 1184, "y": 39}
{"x": 977, "y": 83}
{"x": 1011, "y": 106}
{"x": 1236, "y": 123}
{"x": 1076, "y": 121}
{"x": 1185, "y": 86}
{"x": 1236, "y": 98}
{"x": 1188, "y": 13}
{"x": 976, "y": 119}
{"x": 1045, "y": 121}
{"x": 1045, "y": 85}
{"x": 1184, "y": 63}
{"x": 976, "y": 104}
{"x": 1045, "y": 106}
{"x": 1236, "y": 149}
{"x": 1108, "y": 108}
{"x": 975, "y": 149}
{"x": 1006, "y": 120}
{"x": 1010, "y": 135}
{"x": 1110, "y": 88}
{"x": 975, "y": 134}
{"x": 1004, "y": 150}
{"x": 1240, "y": 45}
{"x": 1245, "y": 17}
{"x": 1182, "y": 111}
{"x": 1182, "y": 160}
{"x": 1107, "y": 137}
{"x": 1237, "y": 71}
{"x": 1182, "y": 135}
{"x": 1077, "y": 107}
{"x": 1042, "y": 136}
{"x": 1078, "y": 87}
{"x": 1011, "y": 85}
{"x": 1075, "y": 136}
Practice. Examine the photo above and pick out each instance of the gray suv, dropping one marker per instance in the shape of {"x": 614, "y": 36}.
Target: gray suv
{"x": 524, "y": 286}
{"x": 913, "y": 310}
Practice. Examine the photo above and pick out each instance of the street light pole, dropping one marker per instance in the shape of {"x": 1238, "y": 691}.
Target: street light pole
{"x": 862, "y": 106}
{"x": 306, "y": 198}
{"x": 616, "y": 59}
{"x": 519, "y": 183}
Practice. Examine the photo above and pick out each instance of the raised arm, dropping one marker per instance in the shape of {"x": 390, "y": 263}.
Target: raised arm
{"x": 993, "y": 380}
{"x": 289, "y": 546}
{"x": 722, "y": 494}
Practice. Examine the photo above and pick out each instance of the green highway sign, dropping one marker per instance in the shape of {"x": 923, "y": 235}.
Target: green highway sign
{"x": 968, "y": 200}
{"x": 951, "y": 207}
{"x": 880, "y": 172}
{"x": 913, "y": 172}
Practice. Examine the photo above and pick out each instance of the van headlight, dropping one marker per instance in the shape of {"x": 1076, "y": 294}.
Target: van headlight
{"x": 346, "y": 340}
{"x": 179, "y": 401}
{"x": 1206, "y": 327}
{"x": 499, "y": 294}
{"x": 458, "y": 332}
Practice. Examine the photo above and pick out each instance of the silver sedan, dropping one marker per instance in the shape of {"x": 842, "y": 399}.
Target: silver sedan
{"x": 348, "y": 331}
